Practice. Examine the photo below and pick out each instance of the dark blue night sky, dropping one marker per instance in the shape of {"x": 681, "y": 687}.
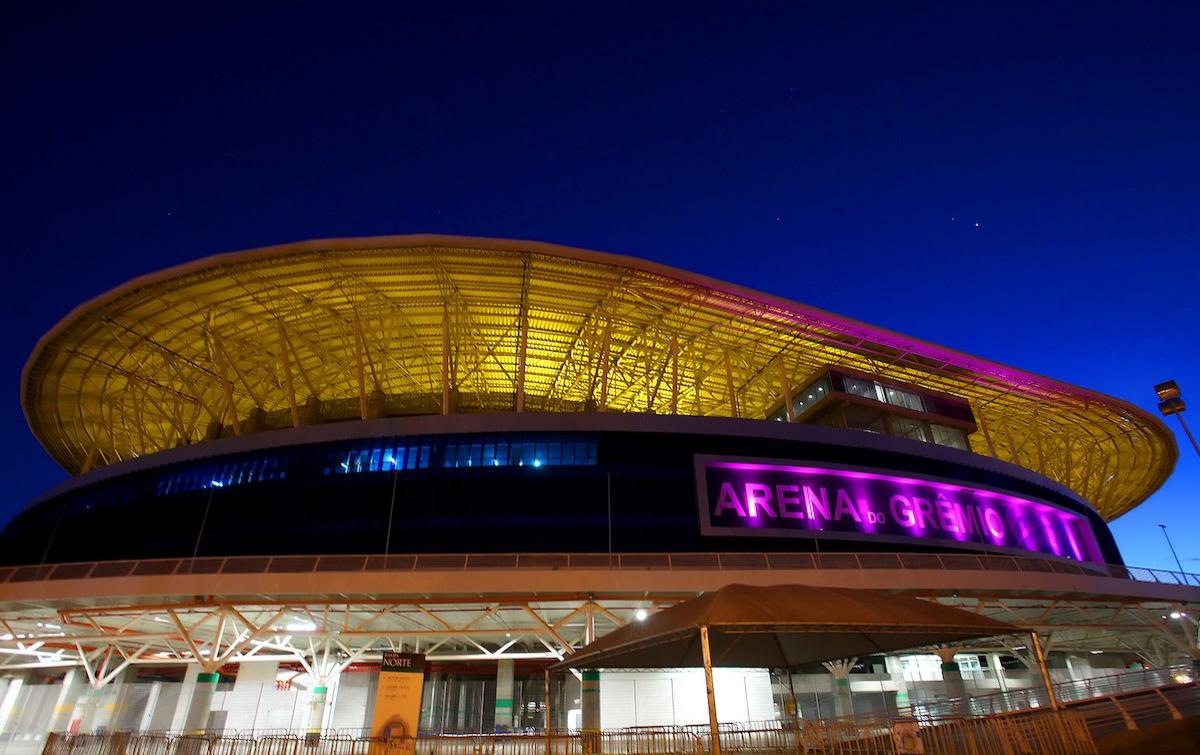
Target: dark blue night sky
{"x": 1018, "y": 181}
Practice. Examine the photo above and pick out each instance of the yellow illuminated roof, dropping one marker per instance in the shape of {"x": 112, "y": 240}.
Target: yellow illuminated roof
{"x": 339, "y": 329}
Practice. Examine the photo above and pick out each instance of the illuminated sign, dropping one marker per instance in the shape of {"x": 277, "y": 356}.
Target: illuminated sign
{"x": 783, "y": 499}
{"x": 398, "y": 699}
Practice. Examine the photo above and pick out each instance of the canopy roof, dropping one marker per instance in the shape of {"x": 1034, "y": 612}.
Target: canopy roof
{"x": 783, "y": 626}
{"x": 337, "y": 329}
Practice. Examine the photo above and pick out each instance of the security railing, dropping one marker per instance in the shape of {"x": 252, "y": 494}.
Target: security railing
{"x": 1065, "y": 692}
{"x": 1051, "y": 732}
{"x": 622, "y": 561}
{"x": 1117, "y": 713}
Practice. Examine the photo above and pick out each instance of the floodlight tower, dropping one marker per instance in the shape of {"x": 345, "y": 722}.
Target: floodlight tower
{"x": 1170, "y": 401}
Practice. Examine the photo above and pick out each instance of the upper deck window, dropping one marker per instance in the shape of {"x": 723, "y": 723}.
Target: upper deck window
{"x": 860, "y": 402}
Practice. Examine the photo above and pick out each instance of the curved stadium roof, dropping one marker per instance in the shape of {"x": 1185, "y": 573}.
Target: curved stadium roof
{"x": 368, "y": 327}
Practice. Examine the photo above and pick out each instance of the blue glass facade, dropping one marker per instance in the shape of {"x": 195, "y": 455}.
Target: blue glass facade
{"x": 405, "y": 453}
{"x": 504, "y": 492}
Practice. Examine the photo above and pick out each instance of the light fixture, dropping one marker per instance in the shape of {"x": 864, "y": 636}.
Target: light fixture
{"x": 1097, "y": 652}
{"x": 1170, "y": 401}
{"x": 640, "y": 614}
{"x": 1177, "y": 614}
{"x": 300, "y": 624}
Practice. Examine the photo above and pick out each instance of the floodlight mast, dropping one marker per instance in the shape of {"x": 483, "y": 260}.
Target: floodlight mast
{"x": 1170, "y": 401}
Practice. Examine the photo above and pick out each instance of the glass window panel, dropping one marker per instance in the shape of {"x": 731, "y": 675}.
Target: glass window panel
{"x": 864, "y": 388}
{"x": 950, "y": 436}
{"x": 476, "y": 454}
{"x": 424, "y": 462}
{"x": 516, "y": 454}
{"x": 568, "y": 454}
{"x": 489, "y": 454}
{"x": 812, "y": 394}
{"x": 581, "y": 453}
{"x": 554, "y": 451}
{"x": 907, "y": 399}
{"x": 862, "y": 418}
{"x": 907, "y": 428}
{"x": 502, "y": 453}
{"x": 450, "y": 457}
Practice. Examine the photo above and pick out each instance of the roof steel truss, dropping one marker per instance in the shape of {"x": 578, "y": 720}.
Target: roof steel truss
{"x": 426, "y": 325}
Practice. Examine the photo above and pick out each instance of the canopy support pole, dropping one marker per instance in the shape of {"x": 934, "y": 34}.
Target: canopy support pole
{"x": 549, "y": 714}
{"x": 714, "y": 731}
{"x": 792, "y": 694}
{"x": 1039, "y": 654}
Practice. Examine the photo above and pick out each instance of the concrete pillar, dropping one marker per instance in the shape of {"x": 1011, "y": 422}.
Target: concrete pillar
{"x": 843, "y": 701}
{"x": 105, "y": 709}
{"x": 590, "y": 701}
{"x": 334, "y": 686}
{"x": 896, "y": 672}
{"x": 323, "y": 699}
{"x": 998, "y": 671}
{"x": 73, "y": 685}
{"x": 83, "y": 715}
{"x": 951, "y": 674}
{"x": 316, "y": 708}
{"x": 1080, "y": 668}
{"x": 461, "y": 722}
{"x": 200, "y": 706}
{"x": 10, "y": 688}
{"x": 151, "y": 704}
{"x": 245, "y": 705}
{"x": 186, "y": 688}
{"x": 504, "y": 695}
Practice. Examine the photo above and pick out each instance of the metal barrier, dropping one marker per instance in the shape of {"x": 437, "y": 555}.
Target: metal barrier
{"x": 1117, "y": 713}
{"x": 669, "y": 561}
{"x": 1049, "y": 732}
{"x": 1065, "y": 692}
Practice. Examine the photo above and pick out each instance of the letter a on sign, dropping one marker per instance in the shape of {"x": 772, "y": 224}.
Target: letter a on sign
{"x": 398, "y": 701}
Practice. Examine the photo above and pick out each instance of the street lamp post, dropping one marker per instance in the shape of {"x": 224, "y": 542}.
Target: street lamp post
{"x": 1172, "y": 547}
{"x": 1170, "y": 401}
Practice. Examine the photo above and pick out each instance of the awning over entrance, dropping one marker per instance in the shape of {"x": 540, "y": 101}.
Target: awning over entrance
{"x": 782, "y": 626}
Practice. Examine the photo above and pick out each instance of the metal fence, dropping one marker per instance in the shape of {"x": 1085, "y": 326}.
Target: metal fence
{"x": 669, "y": 561}
{"x": 1065, "y": 692}
{"x": 1048, "y": 732}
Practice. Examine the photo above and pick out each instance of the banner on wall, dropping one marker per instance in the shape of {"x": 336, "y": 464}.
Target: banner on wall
{"x": 398, "y": 699}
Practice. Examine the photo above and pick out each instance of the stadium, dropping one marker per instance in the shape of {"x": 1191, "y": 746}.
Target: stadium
{"x": 285, "y": 461}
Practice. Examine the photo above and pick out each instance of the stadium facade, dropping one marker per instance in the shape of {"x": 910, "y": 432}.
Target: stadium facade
{"x": 286, "y": 460}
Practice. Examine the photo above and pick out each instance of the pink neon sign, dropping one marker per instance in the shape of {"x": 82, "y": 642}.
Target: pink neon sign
{"x": 781, "y": 499}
